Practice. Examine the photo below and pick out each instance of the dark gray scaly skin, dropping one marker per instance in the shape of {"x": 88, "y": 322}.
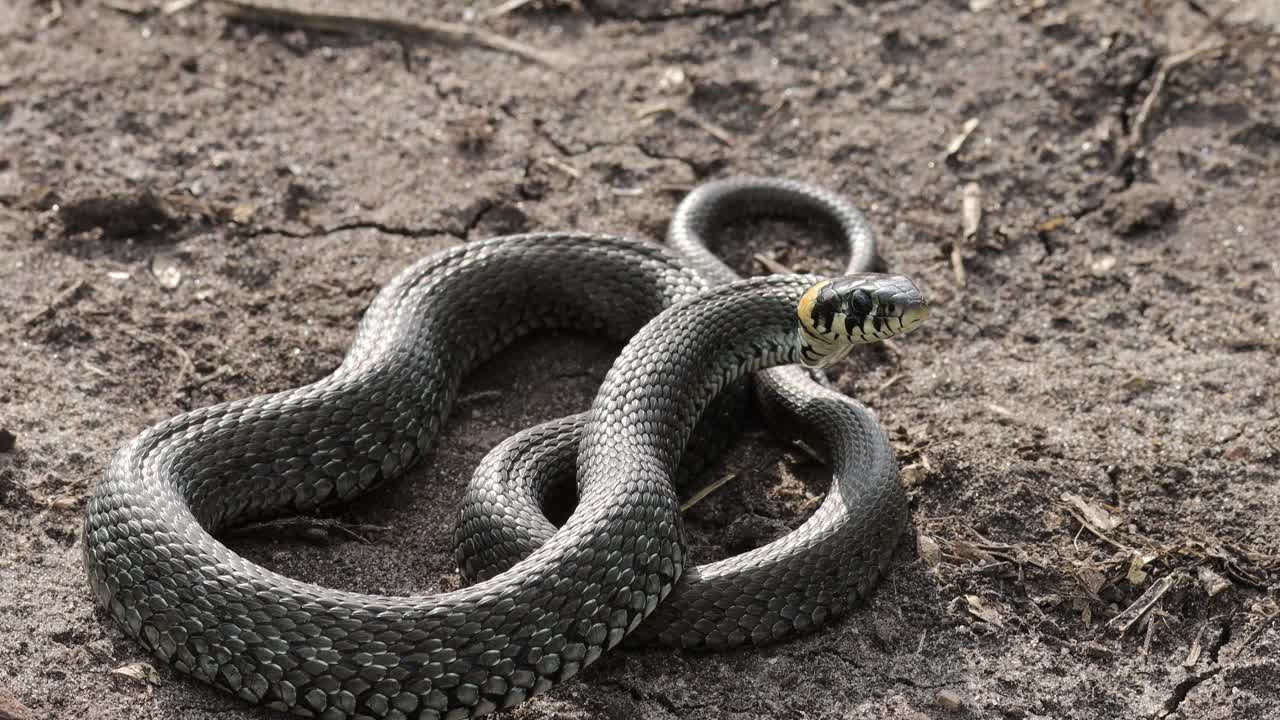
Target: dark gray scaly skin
{"x": 155, "y": 566}
{"x": 795, "y": 584}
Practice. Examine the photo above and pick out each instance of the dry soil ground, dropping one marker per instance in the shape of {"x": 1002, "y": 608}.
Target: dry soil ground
{"x": 195, "y": 208}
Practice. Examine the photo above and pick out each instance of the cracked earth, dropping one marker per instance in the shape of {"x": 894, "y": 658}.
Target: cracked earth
{"x": 195, "y": 209}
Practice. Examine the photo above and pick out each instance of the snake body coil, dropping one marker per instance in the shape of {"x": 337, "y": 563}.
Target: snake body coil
{"x": 155, "y": 565}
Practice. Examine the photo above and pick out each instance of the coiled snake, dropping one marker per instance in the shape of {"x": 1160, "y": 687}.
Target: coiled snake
{"x": 569, "y": 594}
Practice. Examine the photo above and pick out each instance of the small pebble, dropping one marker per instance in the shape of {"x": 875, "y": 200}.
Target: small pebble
{"x": 7, "y": 440}
{"x": 949, "y": 700}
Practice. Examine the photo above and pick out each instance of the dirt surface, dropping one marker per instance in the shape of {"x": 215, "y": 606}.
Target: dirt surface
{"x": 195, "y": 209}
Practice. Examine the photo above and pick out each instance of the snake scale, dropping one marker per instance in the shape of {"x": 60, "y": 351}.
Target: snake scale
{"x": 552, "y": 600}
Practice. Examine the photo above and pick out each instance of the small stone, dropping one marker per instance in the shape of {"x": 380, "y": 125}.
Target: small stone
{"x": 166, "y": 272}
{"x": 242, "y": 214}
{"x": 1102, "y": 265}
{"x": 673, "y": 79}
{"x": 949, "y": 700}
{"x": 7, "y": 440}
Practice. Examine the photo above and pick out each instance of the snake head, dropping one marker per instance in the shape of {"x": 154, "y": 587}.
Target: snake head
{"x": 842, "y": 312}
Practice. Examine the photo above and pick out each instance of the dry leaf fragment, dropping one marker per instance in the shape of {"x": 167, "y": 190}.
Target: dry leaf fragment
{"x": 1093, "y": 513}
{"x": 930, "y": 553}
{"x": 982, "y": 611}
{"x": 1138, "y": 561}
{"x": 1212, "y": 582}
{"x": 1092, "y": 580}
{"x": 914, "y": 474}
{"x": 242, "y": 214}
{"x": 139, "y": 672}
{"x": 1052, "y": 224}
{"x": 63, "y": 503}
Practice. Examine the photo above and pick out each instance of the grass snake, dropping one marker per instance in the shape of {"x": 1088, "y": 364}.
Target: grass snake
{"x": 551, "y": 600}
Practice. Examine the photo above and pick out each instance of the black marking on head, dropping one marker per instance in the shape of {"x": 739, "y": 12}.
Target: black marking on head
{"x": 825, "y": 308}
{"x": 859, "y": 304}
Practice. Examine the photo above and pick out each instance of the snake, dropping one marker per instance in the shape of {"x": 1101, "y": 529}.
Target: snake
{"x": 690, "y": 330}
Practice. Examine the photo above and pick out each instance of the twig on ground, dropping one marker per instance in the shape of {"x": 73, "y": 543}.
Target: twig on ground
{"x": 431, "y": 30}
{"x": 1193, "y": 655}
{"x": 310, "y": 529}
{"x": 1257, "y": 633}
{"x": 970, "y": 221}
{"x": 563, "y": 167}
{"x": 704, "y": 492}
{"x": 480, "y": 395}
{"x": 893, "y": 380}
{"x": 1140, "y": 607}
{"x": 710, "y": 128}
{"x": 957, "y": 142}
{"x": 772, "y": 265}
{"x": 176, "y": 6}
{"x": 1086, "y": 525}
{"x": 94, "y": 369}
{"x": 125, "y": 8}
{"x": 679, "y": 188}
{"x": 66, "y": 298}
{"x": 1215, "y": 23}
{"x": 809, "y": 450}
{"x": 504, "y": 8}
{"x": 1138, "y": 129}
{"x": 971, "y": 210}
{"x": 715, "y": 131}
{"x": 54, "y": 16}
{"x": 186, "y": 368}
{"x": 1150, "y": 623}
